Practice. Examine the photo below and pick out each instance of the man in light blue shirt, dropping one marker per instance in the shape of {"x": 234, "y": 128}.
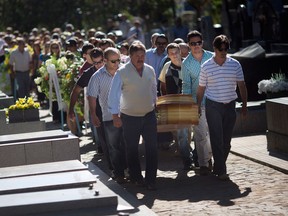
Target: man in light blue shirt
{"x": 190, "y": 80}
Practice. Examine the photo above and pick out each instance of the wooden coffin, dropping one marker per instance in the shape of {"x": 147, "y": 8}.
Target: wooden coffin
{"x": 177, "y": 109}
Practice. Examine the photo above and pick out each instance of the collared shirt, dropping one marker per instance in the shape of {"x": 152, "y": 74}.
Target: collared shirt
{"x": 98, "y": 87}
{"x": 131, "y": 93}
{"x": 190, "y": 73}
{"x": 221, "y": 81}
{"x": 20, "y": 60}
{"x": 153, "y": 59}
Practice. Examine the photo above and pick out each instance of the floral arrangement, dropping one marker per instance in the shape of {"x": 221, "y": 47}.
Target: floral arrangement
{"x": 67, "y": 68}
{"x": 24, "y": 104}
{"x": 277, "y": 83}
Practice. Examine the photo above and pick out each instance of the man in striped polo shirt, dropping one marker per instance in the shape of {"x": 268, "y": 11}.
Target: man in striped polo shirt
{"x": 219, "y": 78}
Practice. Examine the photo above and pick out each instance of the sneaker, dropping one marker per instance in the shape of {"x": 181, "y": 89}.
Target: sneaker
{"x": 204, "y": 171}
{"x": 223, "y": 177}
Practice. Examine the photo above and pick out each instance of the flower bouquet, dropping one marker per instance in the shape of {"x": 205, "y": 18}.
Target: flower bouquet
{"x": 276, "y": 84}
{"x": 25, "y": 109}
{"x": 67, "y": 68}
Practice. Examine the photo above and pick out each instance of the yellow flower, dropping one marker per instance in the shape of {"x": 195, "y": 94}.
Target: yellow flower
{"x": 24, "y": 103}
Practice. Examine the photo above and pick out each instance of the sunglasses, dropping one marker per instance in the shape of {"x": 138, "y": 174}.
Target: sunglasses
{"x": 223, "y": 49}
{"x": 97, "y": 63}
{"x": 161, "y": 44}
{"x": 54, "y": 47}
{"x": 114, "y": 61}
{"x": 198, "y": 43}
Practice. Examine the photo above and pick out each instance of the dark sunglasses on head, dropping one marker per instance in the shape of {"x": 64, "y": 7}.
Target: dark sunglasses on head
{"x": 114, "y": 61}
{"x": 96, "y": 63}
{"x": 198, "y": 43}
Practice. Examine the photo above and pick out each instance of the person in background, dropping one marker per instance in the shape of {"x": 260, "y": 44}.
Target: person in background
{"x": 153, "y": 40}
{"x": 180, "y": 30}
{"x": 135, "y": 84}
{"x": 190, "y": 77}
{"x": 136, "y": 33}
{"x": 96, "y": 58}
{"x": 185, "y": 49}
{"x": 218, "y": 80}
{"x": 154, "y": 56}
{"x": 98, "y": 87}
{"x": 86, "y": 49}
{"x": 20, "y": 65}
{"x": 124, "y": 50}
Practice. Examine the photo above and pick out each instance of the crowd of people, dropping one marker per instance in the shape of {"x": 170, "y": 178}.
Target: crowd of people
{"x": 122, "y": 82}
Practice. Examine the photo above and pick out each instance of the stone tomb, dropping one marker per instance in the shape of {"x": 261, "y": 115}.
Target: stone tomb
{"x": 277, "y": 123}
{"x": 38, "y": 147}
{"x": 53, "y": 188}
{"x": 5, "y": 100}
{"x": 20, "y": 127}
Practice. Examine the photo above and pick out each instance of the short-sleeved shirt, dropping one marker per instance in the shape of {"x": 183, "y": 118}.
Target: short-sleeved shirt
{"x": 85, "y": 77}
{"x": 21, "y": 61}
{"x": 98, "y": 87}
{"x": 221, "y": 81}
{"x": 190, "y": 73}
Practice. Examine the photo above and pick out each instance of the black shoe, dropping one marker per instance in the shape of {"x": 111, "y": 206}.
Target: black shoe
{"x": 204, "y": 171}
{"x": 139, "y": 183}
{"x": 100, "y": 151}
{"x": 223, "y": 177}
{"x": 188, "y": 164}
{"x": 151, "y": 187}
{"x": 120, "y": 180}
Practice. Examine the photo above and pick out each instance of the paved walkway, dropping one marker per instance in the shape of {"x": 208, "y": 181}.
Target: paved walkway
{"x": 258, "y": 186}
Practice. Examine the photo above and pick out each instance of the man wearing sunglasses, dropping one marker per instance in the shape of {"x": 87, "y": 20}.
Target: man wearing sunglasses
{"x": 96, "y": 56}
{"x": 98, "y": 87}
{"x": 190, "y": 80}
{"x": 219, "y": 78}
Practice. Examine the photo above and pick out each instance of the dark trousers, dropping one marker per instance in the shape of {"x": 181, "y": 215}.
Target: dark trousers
{"x": 221, "y": 120}
{"x": 101, "y": 135}
{"x": 23, "y": 84}
{"x": 116, "y": 147}
{"x": 133, "y": 128}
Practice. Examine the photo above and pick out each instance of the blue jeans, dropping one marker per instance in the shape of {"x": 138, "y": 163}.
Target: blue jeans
{"x": 221, "y": 119}
{"x": 116, "y": 147}
{"x": 184, "y": 145}
{"x": 133, "y": 128}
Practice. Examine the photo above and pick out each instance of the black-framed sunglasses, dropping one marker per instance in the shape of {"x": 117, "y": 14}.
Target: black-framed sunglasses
{"x": 161, "y": 44}
{"x": 197, "y": 43}
{"x": 223, "y": 49}
{"x": 116, "y": 60}
{"x": 97, "y": 63}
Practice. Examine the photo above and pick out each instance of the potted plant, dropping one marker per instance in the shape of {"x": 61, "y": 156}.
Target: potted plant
{"x": 25, "y": 109}
{"x": 276, "y": 86}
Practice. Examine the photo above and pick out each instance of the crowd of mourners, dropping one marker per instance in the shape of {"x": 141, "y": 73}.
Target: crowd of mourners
{"x": 122, "y": 79}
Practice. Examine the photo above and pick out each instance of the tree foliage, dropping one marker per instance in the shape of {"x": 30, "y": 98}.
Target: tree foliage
{"x": 24, "y": 15}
